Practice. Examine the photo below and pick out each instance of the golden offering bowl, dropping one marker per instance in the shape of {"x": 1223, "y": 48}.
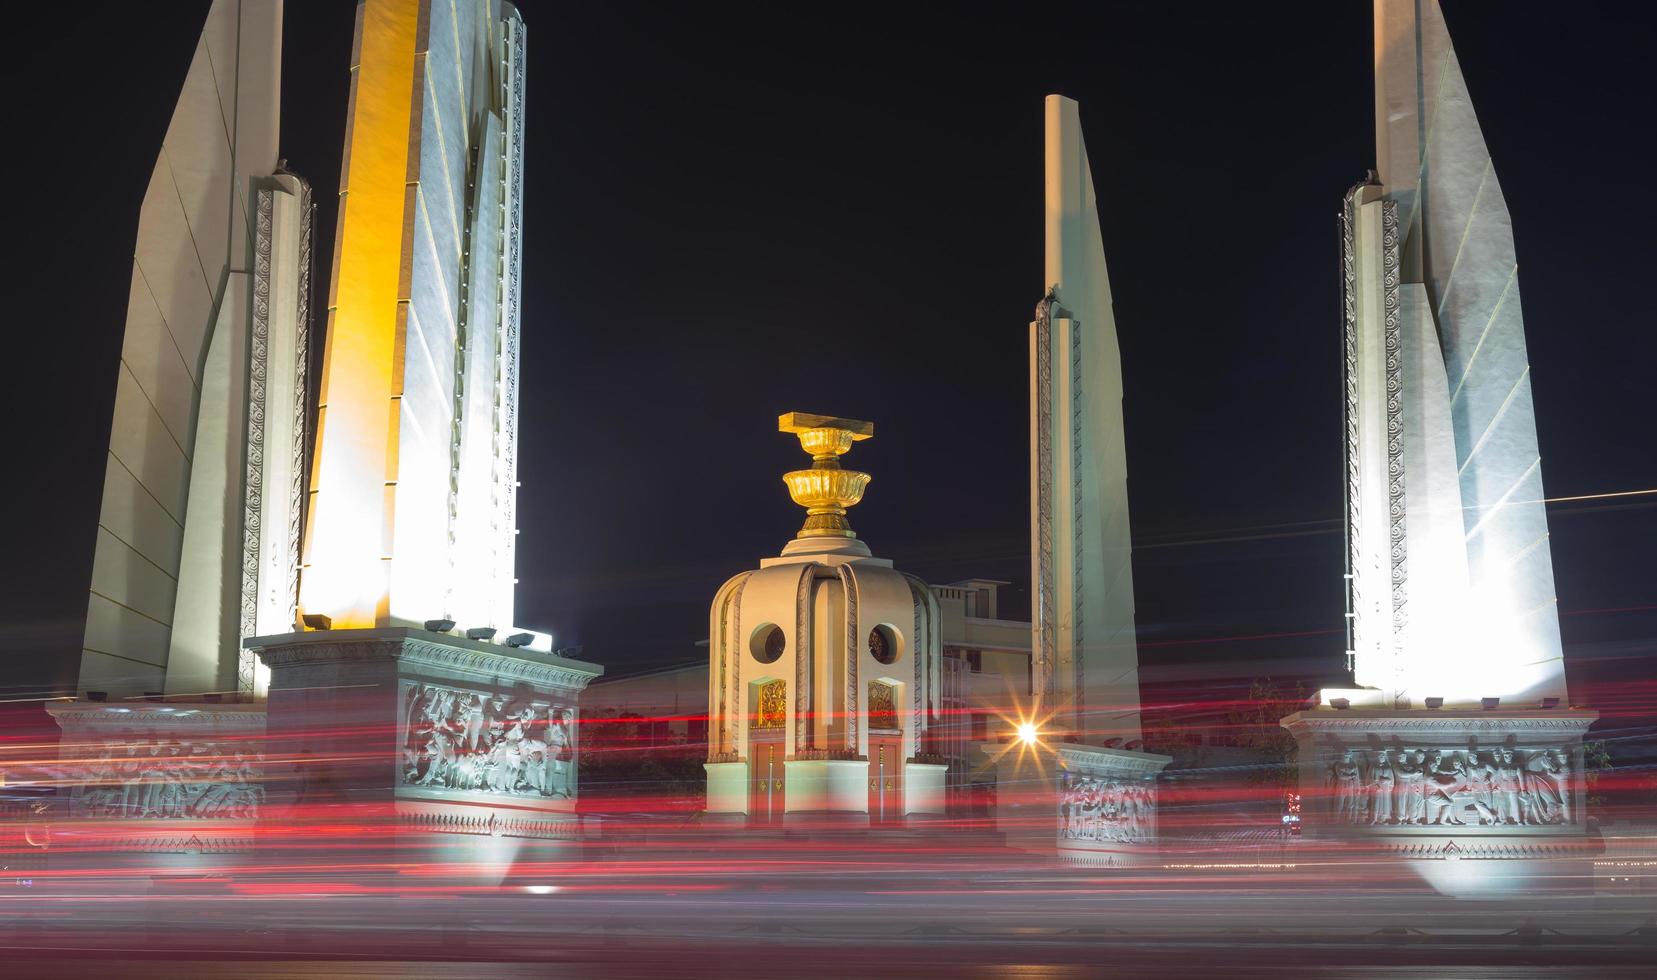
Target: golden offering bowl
{"x": 825, "y": 490}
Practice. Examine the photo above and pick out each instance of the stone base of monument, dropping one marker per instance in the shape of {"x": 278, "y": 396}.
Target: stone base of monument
{"x": 166, "y": 787}
{"x": 1084, "y": 804}
{"x": 1481, "y": 803}
{"x": 418, "y": 753}
{"x": 1106, "y": 805}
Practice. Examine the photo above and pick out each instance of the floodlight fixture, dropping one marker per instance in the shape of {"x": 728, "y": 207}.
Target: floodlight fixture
{"x": 484, "y": 633}
{"x": 1340, "y": 704}
{"x": 97, "y": 697}
{"x": 1546, "y": 703}
{"x": 520, "y": 640}
{"x": 317, "y": 621}
{"x": 1490, "y": 704}
{"x": 1435, "y": 703}
{"x": 439, "y": 625}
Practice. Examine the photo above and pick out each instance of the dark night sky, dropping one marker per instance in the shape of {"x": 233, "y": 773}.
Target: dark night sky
{"x": 731, "y": 215}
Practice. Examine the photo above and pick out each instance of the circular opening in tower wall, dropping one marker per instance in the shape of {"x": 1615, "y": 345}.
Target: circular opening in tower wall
{"x": 883, "y": 644}
{"x": 768, "y": 643}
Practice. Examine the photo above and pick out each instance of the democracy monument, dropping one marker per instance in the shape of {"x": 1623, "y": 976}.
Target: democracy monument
{"x": 1459, "y": 739}
{"x": 823, "y": 664}
{"x": 302, "y": 597}
{"x": 1086, "y": 677}
{"x": 285, "y": 618}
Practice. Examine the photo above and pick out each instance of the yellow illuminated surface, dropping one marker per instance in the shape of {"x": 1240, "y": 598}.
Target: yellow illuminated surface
{"x": 348, "y": 541}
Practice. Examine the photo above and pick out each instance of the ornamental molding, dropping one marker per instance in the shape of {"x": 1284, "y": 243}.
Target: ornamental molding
{"x": 510, "y": 326}
{"x": 298, "y": 450}
{"x": 726, "y": 602}
{"x": 1100, "y": 761}
{"x": 1393, "y": 341}
{"x": 181, "y": 716}
{"x": 1485, "y": 850}
{"x": 828, "y": 755}
{"x": 258, "y": 369}
{"x": 212, "y": 843}
{"x": 488, "y": 825}
{"x": 925, "y": 632}
{"x": 486, "y": 665}
{"x": 1078, "y": 528}
{"x": 738, "y": 705}
{"x": 1563, "y": 725}
{"x": 917, "y": 644}
{"x": 1043, "y": 615}
{"x": 1354, "y": 509}
{"x": 848, "y": 584}
{"x": 802, "y": 666}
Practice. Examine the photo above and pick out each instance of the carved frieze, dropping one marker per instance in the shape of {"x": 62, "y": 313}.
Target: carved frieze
{"x": 1100, "y": 809}
{"x": 165, "y": 779}
{"x": 485, "y": 741}
{"x": 1438, "y": 786}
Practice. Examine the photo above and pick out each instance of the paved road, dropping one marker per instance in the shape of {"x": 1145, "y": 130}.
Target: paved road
{"x": 840, "y": 917}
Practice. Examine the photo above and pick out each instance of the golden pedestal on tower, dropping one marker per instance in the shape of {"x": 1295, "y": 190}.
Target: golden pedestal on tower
{"x": 825, "y": 490}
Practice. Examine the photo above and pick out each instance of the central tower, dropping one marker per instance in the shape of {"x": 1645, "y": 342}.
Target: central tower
{"x": 823, "y": 664}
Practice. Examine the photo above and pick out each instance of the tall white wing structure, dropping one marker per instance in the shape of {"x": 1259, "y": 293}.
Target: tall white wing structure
{"x": 1452, "y": 591}
{"x": 414, "y": 486}
{"x": 198, "y": 530}
{"x": 1087, "y": 659}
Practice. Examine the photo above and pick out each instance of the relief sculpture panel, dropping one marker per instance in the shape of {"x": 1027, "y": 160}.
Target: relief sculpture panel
{"x": 1444, "y": 787}
{"x": 1096, "y": 809}
{"x": 167, "y": 779}
{"x": 513, "y": 744}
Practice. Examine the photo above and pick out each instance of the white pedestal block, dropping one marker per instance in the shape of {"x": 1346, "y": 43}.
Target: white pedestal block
{"x": 413, "y": 733}
{"x": 1089, "y": 804}
{"x": 1446, "y": 787}
{"x": 1106, "y": 805}
{"x": 828, "y": 786}
{"x": 165, "y": 786}
{"x": 923, "y": 788}
{"x": 727, "y": 787}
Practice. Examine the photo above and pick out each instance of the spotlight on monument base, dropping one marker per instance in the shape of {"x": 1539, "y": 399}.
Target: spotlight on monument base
{"x": 1546, "y": 703}
{"x": 485, "y": 633}
{"x": 1490, "y": 704}
{"x": 520, "y": 640}
{"x": 1435, "y": 702}
{"x": 439, "y": 625}
{"x": 1340, "y": 704}
{"x": 317, "y": 621}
